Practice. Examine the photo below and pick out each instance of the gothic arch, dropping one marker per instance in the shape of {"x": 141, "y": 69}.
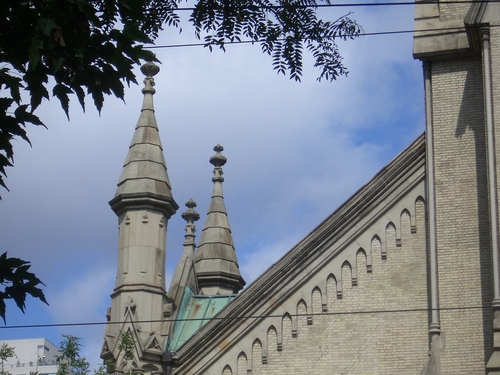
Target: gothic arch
{"x": 333, "y": 289}
{"x": 406, "y": 223}
{"x": 346, "y": 276}
{"x": 227, "y": 370}
{"x": 362, "y": 264}
{"x": 271, "y": 342}
{"x": 300, "y": 317}
{"x": 419, "y": 210}
{"x": 257, "y": 356}
{"x": 376, "y": 246}
{"x": 242, "y": 364}
{"x": 286, "y": 327}
{"x": 390, "y": 238}
{"x": 316, "y": 300}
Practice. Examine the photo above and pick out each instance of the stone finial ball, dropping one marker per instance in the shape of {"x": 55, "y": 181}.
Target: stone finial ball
{"x": 218, "y": 160}
{"x": 150, "y": 69}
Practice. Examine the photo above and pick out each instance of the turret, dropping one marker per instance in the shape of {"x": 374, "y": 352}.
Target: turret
{"x": 143, "y": 203}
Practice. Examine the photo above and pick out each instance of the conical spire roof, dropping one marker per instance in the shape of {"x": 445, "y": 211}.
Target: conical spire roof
{"x": 144, "y": 179}
{"x": 216, "y": 263}
{"x": 183, "y": 272}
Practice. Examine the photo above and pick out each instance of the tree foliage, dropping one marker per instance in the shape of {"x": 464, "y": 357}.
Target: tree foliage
{"x": 70, "y": 362}
{"x": 6, "y": 352}
{"x": 80, "y": 48}
{"x": 126, "y": 351}
{"x": 17, "y": 282}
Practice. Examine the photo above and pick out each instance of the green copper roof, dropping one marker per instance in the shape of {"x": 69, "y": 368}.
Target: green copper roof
{"x": 194, "y": 312}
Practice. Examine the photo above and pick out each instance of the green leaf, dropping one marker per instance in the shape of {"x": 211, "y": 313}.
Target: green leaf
{"x": 13, "y": 83}
{"x": 58, "y": 63}
{"x": 46, "y": 25}
{"x": 34, "y": 54}
{"x": 18, "y": 282}
{"x": 131, "y": 31}
{"x": 61, "y": 92}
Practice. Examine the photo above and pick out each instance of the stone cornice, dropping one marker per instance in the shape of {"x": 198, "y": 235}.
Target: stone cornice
{"x": 143, "y": 201}
{"x": 436, "y": 36}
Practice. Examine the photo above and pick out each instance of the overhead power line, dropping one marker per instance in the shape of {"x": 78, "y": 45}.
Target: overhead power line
{"x": 263, "y": 316}
{"x": 375, "y": 33}
{"x": 345, "y": 5}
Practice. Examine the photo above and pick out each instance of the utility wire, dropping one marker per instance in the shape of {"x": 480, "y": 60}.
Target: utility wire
{"x": 376, "y": 33}
{"x": 344, "y": 5}
{"x": 263, "y": 316}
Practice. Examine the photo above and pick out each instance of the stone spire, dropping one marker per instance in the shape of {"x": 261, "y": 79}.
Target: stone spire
{"x": 144, "y": 179}
{"x": 184, "y": 272}
{"x": 143, "y": 203}
{"x": 216, "y": 263}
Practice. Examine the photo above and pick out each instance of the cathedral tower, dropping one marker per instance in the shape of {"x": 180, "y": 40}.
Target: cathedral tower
{"x": 459, "y": 45}
{"x": 143, "y": 203}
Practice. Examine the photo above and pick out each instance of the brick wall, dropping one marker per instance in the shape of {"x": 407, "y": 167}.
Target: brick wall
{"x": 452, "y": 10}
{"x": 341, "y": 340}
{"x": 463, "y": 246}
{"x": 495, "y": 76}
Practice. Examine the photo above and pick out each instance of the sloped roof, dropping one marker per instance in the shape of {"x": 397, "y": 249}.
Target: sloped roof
{"x": 194, "y": 312}
{"x": 287, "y": 275}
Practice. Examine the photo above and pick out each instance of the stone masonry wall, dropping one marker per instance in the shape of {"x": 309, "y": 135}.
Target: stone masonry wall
{"x": 341, "y": 327}
{"x": 451, "y": 10}
{"x": 495, "y": 76}
{"x": 463, "y": 247}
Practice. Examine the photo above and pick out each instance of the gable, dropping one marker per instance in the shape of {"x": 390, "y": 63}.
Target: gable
{"x": 333, "y": 289}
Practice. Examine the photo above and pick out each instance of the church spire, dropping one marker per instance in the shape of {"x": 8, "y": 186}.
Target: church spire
{"x": 143, "y": 203}
{"x": 144, "y": 179}
{"x": 216, "y": 263}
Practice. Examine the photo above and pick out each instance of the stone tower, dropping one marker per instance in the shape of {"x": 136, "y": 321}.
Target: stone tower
{"x": 459, "y": 45}
{"x": 143, "y": 203}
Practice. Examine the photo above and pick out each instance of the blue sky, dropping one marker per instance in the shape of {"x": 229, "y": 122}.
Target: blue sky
{"x": 295, "y": 152}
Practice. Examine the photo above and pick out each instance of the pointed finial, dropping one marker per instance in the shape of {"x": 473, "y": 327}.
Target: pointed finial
{"x": 218, "y": 160}
{"x": 191, "y": 215}
{"x": 149, "y": 69}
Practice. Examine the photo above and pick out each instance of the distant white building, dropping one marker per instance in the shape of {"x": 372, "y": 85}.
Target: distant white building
{"x": 32, "y": 355}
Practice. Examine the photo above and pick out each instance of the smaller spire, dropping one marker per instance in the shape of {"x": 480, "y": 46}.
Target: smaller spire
{"x": 190, "y": 216}
{"x": 216, "y": 263}
{"x": 183, "y": 271}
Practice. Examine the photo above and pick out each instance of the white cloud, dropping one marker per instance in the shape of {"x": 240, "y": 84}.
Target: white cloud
{"x": 81, "y": 299}
{"x": 84, "y": 299}
{"x": 254, "y": 263}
